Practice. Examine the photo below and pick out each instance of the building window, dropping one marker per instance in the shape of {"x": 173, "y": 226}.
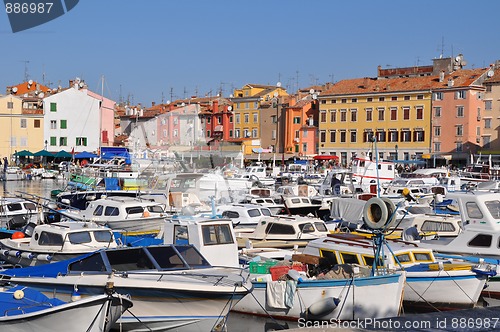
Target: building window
{"x": 63, "y": 124}
{"x": 381, "y": 98}
{"x": 230, "y": 133}
{"x": 367, "y": 136}
{"x": 273, "y": 134}
{"x": 420, "y": 97}
{"x": 176, "y": 132}
{"x": 165, "y": 133}
{"x": 53, "y": 107}
{"x": 322, "y": 117}
{"x": 342, "y": 136}
{"x": 208, "y": 133}
{"x": 478, "y": 131}
{"x": 37, "y": 124}
{"x": 381, "y": 114}
{"x": 418, "y": 136}
{"x": 369, "y": 99}
{"x": 322, "y": 136}
{"x": 487, "y": 123}
{"x": 333, "y": 136}
{"x": 296, "y": 120}
{"x": 407, "y": 98}
{"x": 354, "y": 115}
{"x": 81, "y": 141}
{"x": 237, "y": 119}
{"x": 420, "y": 113}
{"x": 486, "y": 142}
{"x": 209, "y": 120}
{"x": 53, "y": 124}
{"x": 487, "y": 105}
{"x": 237, "y": 133}
{"x": 63, "y": 141}
{"x": 343, "y": 115}
{"x": 394, "y": 98}
{"x": 437, "y": 147}
{"x": 255, "y": 133}
{"x": 353, "y": 136}
{"x": 438, "y": 96}
{"x": 297, "y": 134}
{"x": 406, "y": 113}
{"x": 256, "y": 118}
{"x": 246, "y": 118}
{"x": 343, "y": 100}
{"x": 437, "y": 112}
{"x": 460, "y": 111}
{"x": 437, "y": 131}
{"x": 23, "y": 123}
{"x": 405, "y": 135}
{"x": 381, "y": 137}
{"x": 369, "y": 114}
{"x": 460, "y": 94}
{"x": 333, "y": 116}
{"x": 459, "y": 147}
{"x": 394, "y": 113}
{"x": 354, "y": 100}
{"x": 393, "y": 136}
{"x": 231, "y": 119}
{"x": 459, "y": 130}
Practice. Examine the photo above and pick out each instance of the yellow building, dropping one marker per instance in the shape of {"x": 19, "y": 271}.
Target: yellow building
{"x": 21, "y": 120}
{"x": 394, "y": 111}
{"x": 256, "y": 113}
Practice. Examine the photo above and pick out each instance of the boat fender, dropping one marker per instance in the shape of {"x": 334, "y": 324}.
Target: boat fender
{"x": 75, "y": 296}
{"x": 27, "y": 255}
{"x": 375, "y": 213}
{"x": 322, "y": 308}
{"x": 18, "y": 235}
{"x": 43, "y": 257}
{"x": 19, "y": 294}
{"x": 5, "y": 253}
{"x": 14, "y": 253}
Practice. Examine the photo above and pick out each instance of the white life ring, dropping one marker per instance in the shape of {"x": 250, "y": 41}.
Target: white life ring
{"x": 377, "y": 211}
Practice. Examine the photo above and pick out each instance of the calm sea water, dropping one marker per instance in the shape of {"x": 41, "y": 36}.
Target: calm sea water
{"x": 236, "y": 323}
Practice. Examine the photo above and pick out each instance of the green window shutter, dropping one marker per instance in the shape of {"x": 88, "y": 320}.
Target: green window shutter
{"x": 63, "y": 124}
{"x": 53, "y": 107}
{"x": 53, "y": 141}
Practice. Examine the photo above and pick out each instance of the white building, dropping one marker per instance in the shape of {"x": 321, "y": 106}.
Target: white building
{"x": 78, "y": 119}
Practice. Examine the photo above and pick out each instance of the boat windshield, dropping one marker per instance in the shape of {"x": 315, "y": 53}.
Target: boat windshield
{"x": 140, "y": 259}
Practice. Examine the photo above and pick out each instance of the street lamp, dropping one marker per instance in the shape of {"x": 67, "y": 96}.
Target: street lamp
{"x": 396, "y": 147}
{"x": 276, "y": 104}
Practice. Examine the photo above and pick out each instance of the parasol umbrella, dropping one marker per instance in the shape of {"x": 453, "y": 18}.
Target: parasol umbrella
{"x": 24, "y": 153}
{"x": 325, "y": 157}
{"x": 43, "y": 153}
{"x": 85, "y": 155}
{"x": 63, "y": 154}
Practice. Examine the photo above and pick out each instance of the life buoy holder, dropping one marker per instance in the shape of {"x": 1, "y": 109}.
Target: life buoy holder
{"x": 379, "y": 213}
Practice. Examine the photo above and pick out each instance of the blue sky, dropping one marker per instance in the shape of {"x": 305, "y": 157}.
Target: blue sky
{"x": 147, "y": 49}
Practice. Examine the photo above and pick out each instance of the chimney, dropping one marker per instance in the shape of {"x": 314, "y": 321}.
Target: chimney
{"x": 215, "y": 106}
{"x": 441, "y": 76}
{"x": 450, "y": 82}
{"x": 153, "y": 103}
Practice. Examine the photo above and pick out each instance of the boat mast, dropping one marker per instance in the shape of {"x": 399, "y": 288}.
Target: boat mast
{"x": 100, "y": 115}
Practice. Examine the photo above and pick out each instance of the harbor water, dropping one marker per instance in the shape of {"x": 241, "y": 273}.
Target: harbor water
{"x": 236, "y": 322}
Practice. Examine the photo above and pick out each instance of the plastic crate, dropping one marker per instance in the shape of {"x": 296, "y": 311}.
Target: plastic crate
{"x": 261, "y": 267}
{"x": 279, "y": 271}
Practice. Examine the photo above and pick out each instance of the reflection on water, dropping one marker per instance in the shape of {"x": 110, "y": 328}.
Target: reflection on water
{"x": 39, "y": 187}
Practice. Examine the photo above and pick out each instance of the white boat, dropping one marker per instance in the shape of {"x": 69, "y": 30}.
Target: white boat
{"x": 12, "y": 173}
{"x": 283, "y": 232}
{"x": 428, "y": 283}
{"x": 123, "y": 214}
{"x": 173, "y": 287}
{"x": 16, "y": 212}
{"x": 369, "y": 174}
{"x": 45, "y": 243}
{"x": 244, "y": 215}
{"x": 25, "y": 309}
{"x": 352, "y": 298}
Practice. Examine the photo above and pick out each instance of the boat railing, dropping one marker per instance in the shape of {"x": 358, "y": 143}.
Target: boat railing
{"x": 215, "y": 279}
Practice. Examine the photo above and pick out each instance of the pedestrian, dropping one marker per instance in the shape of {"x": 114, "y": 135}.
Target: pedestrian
{"x": 5, "y": 164}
